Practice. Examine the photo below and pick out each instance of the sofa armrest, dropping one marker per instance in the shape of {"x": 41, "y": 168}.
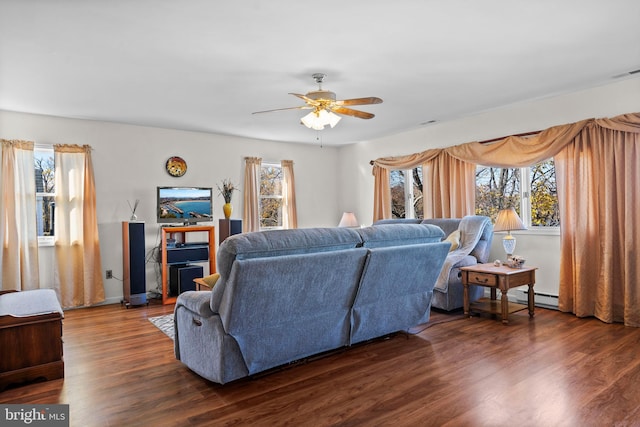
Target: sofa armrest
{"x": 466, "y": 261}
{"x": 196, "y": 301}
{"x": 200, "y": 341}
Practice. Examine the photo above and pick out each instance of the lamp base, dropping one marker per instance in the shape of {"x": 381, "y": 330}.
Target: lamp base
{"x": 509, "y": 245}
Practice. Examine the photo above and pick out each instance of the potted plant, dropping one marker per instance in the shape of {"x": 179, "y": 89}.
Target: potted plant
{"x": 226, "y": 191}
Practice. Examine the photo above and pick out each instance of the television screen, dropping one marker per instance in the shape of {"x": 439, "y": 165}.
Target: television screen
{"x": 184, "y": 204}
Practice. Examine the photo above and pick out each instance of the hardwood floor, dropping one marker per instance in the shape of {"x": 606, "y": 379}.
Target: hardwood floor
{"x": 554, "y": 370}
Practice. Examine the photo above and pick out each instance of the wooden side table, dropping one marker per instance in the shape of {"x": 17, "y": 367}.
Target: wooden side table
{"x": 206, "y": 283}
{"x": 201, "y": 285}
{"x": 503, "y": 278}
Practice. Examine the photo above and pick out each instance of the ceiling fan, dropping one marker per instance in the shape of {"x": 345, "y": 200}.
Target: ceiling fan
{"x": 324, "y": 105}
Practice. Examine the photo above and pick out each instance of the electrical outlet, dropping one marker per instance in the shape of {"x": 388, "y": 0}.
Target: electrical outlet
{"x": 109, "y": 274}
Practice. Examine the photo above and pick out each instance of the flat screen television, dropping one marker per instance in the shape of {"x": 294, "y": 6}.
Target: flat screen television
{"x": 186, "y": 205}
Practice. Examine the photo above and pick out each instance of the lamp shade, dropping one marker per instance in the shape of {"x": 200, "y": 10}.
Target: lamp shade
{"x": 508, "y": 220}
{"x": 332, "y": 119}
{"x": 348, "y": 220}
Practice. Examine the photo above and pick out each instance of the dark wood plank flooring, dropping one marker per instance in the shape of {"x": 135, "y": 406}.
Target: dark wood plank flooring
{"x": 554, "y": 370}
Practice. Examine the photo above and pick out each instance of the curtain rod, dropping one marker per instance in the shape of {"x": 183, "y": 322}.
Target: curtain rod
{"x": 487, "y": 141}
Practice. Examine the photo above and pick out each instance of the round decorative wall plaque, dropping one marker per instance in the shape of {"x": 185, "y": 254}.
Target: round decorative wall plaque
{"x": 176, "y": 166}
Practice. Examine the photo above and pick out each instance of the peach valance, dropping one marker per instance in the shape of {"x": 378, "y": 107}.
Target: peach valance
{"x": 514, "y": 151}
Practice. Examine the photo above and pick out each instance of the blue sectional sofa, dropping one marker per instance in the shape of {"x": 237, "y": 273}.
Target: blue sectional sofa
{"x": 284, "y": 295}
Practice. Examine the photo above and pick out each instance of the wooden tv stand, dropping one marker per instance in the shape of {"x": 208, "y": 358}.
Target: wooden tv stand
{"x": 180, "y": 234}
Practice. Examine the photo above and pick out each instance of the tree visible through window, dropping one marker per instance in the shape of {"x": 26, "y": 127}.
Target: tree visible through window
{"x": 544, "y": 195}
{"x": 531, "y": 191}
{"x": 270, "y": 196}
{"x": 45, "y": 193}
{"x": 406, "y": 190}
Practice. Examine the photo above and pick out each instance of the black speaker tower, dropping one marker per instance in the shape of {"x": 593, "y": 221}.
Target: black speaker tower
{"x": 134, "y": 282}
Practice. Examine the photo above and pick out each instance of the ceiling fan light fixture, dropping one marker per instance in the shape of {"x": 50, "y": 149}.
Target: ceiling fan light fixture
{"x": 312, "y": 121}
{"x": 324, "y": 106}
{"x": 318, "y": 119}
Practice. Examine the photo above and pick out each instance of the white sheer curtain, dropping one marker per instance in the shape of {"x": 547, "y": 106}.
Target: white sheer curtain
{"x": 77, "y": 246}
{"x": 18, "y": 233}
{"x": 289, "y": 211}
{"x": 251, "y": 214}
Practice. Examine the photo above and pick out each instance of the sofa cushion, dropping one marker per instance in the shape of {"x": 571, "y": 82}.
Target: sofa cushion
{"x": 283, "y": 242}
{"x": 280, "y": 309}
{"x": 396, "y": 289}
{"x": 448, "y": 225}
{"x": 398, "y": 221}
{"x": 394, "y": 234}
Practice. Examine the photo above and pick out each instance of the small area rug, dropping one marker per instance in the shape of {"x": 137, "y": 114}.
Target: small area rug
{"x": 164, "y": 323}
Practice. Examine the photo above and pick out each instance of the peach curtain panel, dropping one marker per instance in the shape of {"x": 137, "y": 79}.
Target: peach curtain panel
{"x": 381, "y": 193}
{"x": 449, "y": 188}
{"x": 78, "y": 276}
{"x": 289, "y": 211}
{"x": 18, "y": 231}
{"x": 251, "y": 214}
{"x": 598, "y": 181}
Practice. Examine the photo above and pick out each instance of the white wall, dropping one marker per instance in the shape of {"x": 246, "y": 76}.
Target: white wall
{"x": 543, "y": 251}
{"x": 129, "y": 163}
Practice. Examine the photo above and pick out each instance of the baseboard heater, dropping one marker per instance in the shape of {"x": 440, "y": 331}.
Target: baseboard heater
{"x": 541, "y": 300}
{"x": 522, "y": 297}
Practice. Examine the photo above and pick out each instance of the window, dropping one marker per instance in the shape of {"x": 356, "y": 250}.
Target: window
{"x": 531, "y": 191}
{"x": 270, "y": 196}
{"x": 45, "y": 194}
{"x": 406, "y": 190}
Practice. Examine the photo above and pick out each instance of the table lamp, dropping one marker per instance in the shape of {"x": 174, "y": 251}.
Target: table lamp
{"x": 348, "y": 220}
{"x": 508, "y": 220}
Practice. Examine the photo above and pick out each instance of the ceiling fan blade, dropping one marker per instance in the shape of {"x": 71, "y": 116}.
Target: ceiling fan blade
{"x": 351, "y": 112}
{"x": 360, "y": 101}
{"x": 305, "y": 98}
{"x": 302, "y": 107}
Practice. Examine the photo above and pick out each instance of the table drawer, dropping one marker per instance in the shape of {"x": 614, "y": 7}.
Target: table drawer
{"x": 483, "y": 279}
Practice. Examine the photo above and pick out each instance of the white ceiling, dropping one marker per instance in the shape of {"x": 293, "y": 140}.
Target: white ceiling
{"x": 206, "y": 65}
